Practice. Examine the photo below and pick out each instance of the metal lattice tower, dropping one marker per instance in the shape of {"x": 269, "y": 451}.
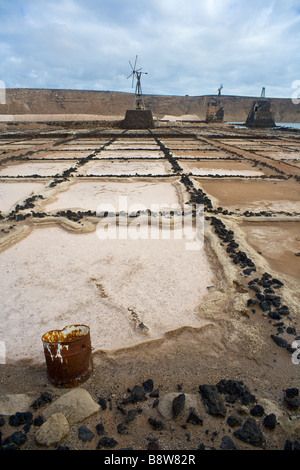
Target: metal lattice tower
{"x": 136, "y": 73}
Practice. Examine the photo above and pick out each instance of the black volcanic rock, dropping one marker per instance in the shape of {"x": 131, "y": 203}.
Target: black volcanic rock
{"x": 212, "y": 400}
{"x": 250, "y": 433}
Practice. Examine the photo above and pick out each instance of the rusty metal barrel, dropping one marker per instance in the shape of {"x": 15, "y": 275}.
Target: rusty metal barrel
{"x": 68, "y": 355}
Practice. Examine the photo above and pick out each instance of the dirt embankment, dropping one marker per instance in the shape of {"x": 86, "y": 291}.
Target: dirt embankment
{"x": 42, "y": 101}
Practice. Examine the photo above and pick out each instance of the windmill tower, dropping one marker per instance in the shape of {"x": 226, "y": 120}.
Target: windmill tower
{"x": 215, "y": 111}
{"x": 260, "y": 114}
{"x": 139, "y": 117}
{"x": 136, "y": 73}
{"x": 219, "y": 94}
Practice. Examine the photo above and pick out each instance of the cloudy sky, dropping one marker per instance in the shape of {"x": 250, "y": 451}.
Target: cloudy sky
{"x": 186, "y": 46}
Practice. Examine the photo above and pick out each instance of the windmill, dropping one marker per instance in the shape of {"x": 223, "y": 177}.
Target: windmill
{"x": 136, "y": 73}
{"x": 260, "y": 114}
{"x": 214, "y": 110}
{"x": 219, "y": 93}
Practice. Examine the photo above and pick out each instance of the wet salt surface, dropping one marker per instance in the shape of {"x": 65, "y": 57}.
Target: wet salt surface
{"x": 221, "y": 172}
{"x": 38, "y": 168}
{"x": 58, "y": 154}
{"x": 126, "y": 153}
{"x": 220, "y": 168}
{"x": 90, "y": 195}
{"x": 278, "y": 242}
{"x": 123, "y": 289}
{"x": 133, "y": 145}
{"x": 12, "y": 192}
{"x": 281, "y": 155}
{"x": 252, "y": 195}
{"x": 122, "y": 168}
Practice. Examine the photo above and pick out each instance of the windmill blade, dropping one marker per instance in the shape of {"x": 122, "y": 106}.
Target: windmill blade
{"x": 129, "y": 75}
{"x": 136, "y": 57}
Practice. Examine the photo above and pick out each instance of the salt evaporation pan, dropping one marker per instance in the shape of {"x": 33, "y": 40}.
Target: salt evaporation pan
{"x": 109, "y": 153}
{"x": 36, "y": 168}
{"x": 119, "y": 167}
{"x": 123, "y": 289}
{"x": 90, "y": 195}
{"x": 13, "y": 192}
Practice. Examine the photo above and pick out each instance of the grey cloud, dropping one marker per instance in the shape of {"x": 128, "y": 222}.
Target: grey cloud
{"x": 187, "y": 47}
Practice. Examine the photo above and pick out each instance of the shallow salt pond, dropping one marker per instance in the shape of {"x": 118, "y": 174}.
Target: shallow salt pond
{"x": 252, "y": 195}
{"x": 36, "y": 168}
{"x": 222, "y": 168}
{"x": 123, "y": 289}
{"x": 13, "y": 192}
{"x": 278, "y": 242}
{"x": 121, "y": 167}
{"x": 132, "y": 153}
{"x": 90, "y": 195}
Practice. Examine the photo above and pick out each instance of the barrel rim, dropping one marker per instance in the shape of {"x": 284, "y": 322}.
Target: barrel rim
{"x": 87, "y": 329}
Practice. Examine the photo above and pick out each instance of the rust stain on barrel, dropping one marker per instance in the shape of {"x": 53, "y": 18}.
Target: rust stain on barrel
{"x": 68, "y": 354}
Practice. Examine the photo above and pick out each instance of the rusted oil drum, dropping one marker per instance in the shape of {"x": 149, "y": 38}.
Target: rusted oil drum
{"x": 68, "y": 355}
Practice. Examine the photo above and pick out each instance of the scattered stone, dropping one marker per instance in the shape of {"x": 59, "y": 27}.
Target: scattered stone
{"x": 289, "y": 445}
{"x": 102, "y": 402}
{"x": 17, "y": 438}
{"x": 100, "y": 429}
{"x": 234, "y": 390}
{"x": 76, "y": 405}
{"x": 153, "y": 445}
{"x": 156, "y": 424}
{"x": 85, "y": 434}
{"x": 20, "y": 418}
{"x": 274, "y": 315}
{"x": 13, "y": 403}
{"x": 250, "y": 433}
{"x": 281, "y": 342}
{"x": 292, "y": 392}
{"x": 165, "y": 405}
{"x": 43, "y": 399}
{"x": 138, "y": 394}
{"x": 122, "y": 429}
{"x": 251, "y": 302}
{"x": 148, "y": 386}
{"x": 193, "y": 418}
{"x": 107, "y": 442}
{"x": 53, "y": 430}
{"x": 212, "y": 400}
{"x": 257, "y": 410}
{"x": 203, "y": 447}
{"x": 178, "y": 405}
{"x": 292, "y": 403}
{"x": 131, "y": 415}
{"x": 270, "y": 421}
{"x": 264, "y": 305}
{"x": 234, "y": 421}
{"x": 155, "y": 403}
{"x": 227, "y": 443}
{"x": 38, "y": 421}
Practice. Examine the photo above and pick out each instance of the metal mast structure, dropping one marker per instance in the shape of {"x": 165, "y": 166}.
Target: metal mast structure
{"x": 219, "y": 94}
{"x": 136, "y": 73}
